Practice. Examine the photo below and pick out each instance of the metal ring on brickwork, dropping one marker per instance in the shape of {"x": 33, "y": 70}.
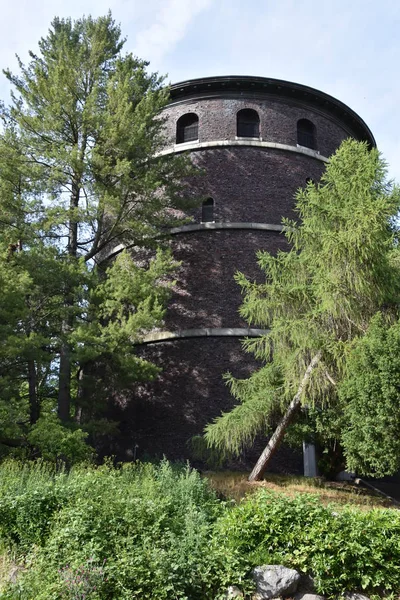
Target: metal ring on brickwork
{"x": 252, "y": 143}
{"x": 213, "y": 225}
{"x": 167, "y": 336}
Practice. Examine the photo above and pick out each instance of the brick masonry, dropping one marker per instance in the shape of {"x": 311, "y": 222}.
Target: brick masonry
{"x": 278, "y": 121}
{"x": 248, "y": 184}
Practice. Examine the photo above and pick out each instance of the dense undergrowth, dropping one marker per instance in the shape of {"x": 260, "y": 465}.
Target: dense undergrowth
{"x": 160, "y": 532}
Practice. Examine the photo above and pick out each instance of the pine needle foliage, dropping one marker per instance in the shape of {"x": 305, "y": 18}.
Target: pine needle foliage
{"x": 341, "y": 268}
{"x": 81, "y": 173}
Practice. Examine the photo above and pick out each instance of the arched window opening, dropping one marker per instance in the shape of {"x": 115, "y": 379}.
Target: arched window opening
{"x": 187, "y": 128}
{"x": 248, "y": 123}
{"x": 306, "y": 134}
{"x": 207, "y": 211}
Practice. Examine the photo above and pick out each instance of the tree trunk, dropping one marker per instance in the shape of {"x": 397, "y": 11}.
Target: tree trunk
{"x": 32, "y": 388}
{"x": 64, "y": 377}
{"x": 280, "y": 431}
{"x": 64, "y": 383}
{"x": 79, "y": 395}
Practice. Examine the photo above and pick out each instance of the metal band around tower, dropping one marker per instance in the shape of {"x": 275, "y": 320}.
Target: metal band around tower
{"x": 252, "y": 143}
{"x": 167, "y": 336}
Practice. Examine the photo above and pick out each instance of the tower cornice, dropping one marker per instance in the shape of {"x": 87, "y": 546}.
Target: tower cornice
{"x": 240, "y": 85}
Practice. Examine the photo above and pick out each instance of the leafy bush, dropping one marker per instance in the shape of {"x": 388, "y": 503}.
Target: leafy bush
{"x": 57, "y": 442}
{"x": 370, "y": 399}
{"x": 343, "y": 549}
{"x": 158, "y": 532}
{"x": 149, "y": 525}
{"x": 30, "y": 494}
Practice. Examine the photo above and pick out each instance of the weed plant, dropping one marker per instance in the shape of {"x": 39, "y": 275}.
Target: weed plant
{"x": 147, "y": 526}
{"x": 158, "y": 532}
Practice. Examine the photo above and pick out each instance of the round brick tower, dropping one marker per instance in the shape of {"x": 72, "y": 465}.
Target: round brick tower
{"x": 257, "y": 141}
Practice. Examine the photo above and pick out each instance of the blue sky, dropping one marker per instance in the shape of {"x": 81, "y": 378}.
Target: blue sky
{"x": 347, "y": 48}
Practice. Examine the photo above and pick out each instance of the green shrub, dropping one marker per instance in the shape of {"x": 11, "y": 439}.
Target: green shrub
{"x": 30, "y": 494}
{"x": 57, "y": 442}
{"x": 152, "y": 532}
{"x": 151, "y": 525}
{"x": 343, "y": 549}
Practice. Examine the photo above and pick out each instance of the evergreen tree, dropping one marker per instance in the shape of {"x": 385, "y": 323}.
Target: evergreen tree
{"x": 79, "y": 175}
{"x": 317, "y": 297}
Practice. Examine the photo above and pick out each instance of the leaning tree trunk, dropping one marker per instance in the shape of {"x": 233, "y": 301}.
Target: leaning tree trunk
{"x": 280, "y": 431}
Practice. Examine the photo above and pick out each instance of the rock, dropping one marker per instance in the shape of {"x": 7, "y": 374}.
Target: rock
{"x": 345, "y": 476}
{"x": 306, "y": 584}
{"x": 275, "y": 580}
{"x": 354, "y": 596}
{"x": 233, "y": 592}
{"x": 306, "y": 596}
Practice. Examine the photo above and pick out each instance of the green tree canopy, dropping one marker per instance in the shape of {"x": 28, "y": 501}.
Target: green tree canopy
{"x": 80, "y": 174}
{"x": 370, "y": 400}
{"x": 341, "y": 268}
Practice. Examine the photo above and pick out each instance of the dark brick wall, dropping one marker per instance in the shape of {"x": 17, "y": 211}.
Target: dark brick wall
{"x": 278, "y": 121}
{"x": 251, "y": 184}
{"x": 247, "y": 185}
{"x": 162, "y": 417}
{"x": 206, "y": 294}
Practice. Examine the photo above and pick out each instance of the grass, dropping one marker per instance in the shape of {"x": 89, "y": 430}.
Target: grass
{"x": 234, "y": 485}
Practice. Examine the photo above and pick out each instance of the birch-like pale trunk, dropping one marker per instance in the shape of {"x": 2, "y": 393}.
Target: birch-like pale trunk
{"x": 280, "y": 431}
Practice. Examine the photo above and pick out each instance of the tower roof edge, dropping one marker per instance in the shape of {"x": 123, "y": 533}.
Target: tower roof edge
{"x": 246, "y": 84}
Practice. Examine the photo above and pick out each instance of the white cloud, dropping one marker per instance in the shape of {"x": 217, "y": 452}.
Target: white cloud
{"x": 171, "y": 22}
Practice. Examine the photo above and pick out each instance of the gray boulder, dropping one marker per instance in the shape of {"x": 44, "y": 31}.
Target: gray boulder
{"x": 275, "y": 580}
{"x": 354, "y": 596}
{"x": 307, "y": 596}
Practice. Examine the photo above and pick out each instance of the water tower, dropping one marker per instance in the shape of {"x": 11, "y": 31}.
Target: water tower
{"x": 257, "y": 140}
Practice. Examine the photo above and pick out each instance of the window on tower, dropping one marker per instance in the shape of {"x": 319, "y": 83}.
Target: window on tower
{"x": 207, "y": 211}
{"x": 187, "y": 128}
{"x": 248, "y": 123}
{"x": 306, "y": 134}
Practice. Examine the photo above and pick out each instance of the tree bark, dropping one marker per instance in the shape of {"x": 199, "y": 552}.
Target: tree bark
{"x": 280, "y": 431}
{"x": 13, "y": 443}
{"x": 64, "y": 377}
{"x": 33, "y": 397}
{"x": 64, "y": 383}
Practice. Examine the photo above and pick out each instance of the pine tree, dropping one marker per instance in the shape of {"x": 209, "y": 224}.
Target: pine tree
{"x": 317, "y": 297}
{"x": 80, "y": 174}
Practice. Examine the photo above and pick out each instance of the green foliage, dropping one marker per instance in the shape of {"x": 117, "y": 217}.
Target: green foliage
{"x": 147, "y": 527}
{"x": 30, "y": 494}
{"x": 158, "y": 532}
{"x": 56, "y": 442}
{"x": 80, "y": 174}
{"x": 318, "y": 296}
{"x": 259, "y": 401}
{"x": 370, "y": 400}
{"x": 344, "y": 549}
